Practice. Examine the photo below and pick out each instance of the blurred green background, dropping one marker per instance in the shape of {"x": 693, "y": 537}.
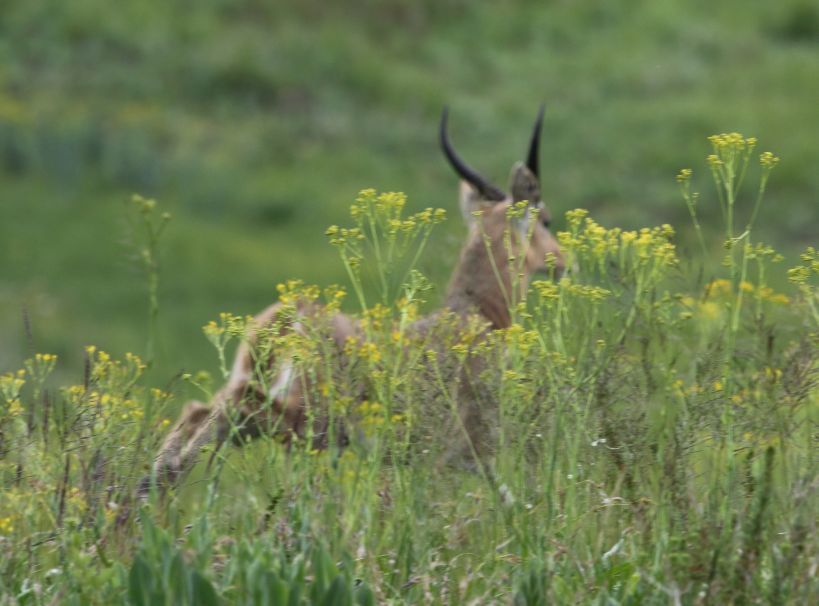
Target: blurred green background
{"x": 255, "y": 123}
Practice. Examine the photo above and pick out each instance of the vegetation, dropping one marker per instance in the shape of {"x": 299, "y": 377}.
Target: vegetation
{"x": 256, "y": 122}
{"x": 652, "y": 431}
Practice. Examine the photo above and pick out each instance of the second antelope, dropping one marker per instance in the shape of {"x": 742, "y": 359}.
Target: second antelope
{"x": 267, "y": 394}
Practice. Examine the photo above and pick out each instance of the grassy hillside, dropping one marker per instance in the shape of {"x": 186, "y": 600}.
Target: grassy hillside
{"x": 255, "y": 123}
{"x": 643, "y": 431}
{"x": 632, "y": 436}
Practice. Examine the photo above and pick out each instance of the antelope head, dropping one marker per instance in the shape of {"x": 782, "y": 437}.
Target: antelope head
{"x": 501, "y": 253}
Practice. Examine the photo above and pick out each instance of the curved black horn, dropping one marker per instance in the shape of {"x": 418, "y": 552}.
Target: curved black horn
{"x": 486, "y": 189}
{"x": 533, "y": 159}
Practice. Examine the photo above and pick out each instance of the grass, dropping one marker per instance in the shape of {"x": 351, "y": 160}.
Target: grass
{"x": 650, "y": 422}
{"x": 255, "y": 125}
{"x": 653, "y": 440}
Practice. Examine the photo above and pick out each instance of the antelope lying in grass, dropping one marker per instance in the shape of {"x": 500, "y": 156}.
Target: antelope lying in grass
{"x": 263, "y": 394}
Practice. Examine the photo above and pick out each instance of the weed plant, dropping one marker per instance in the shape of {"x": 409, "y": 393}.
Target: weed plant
{"x": 650, "y": 428}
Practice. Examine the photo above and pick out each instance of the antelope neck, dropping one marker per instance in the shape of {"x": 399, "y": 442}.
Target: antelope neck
{"x": 474, "y": 287}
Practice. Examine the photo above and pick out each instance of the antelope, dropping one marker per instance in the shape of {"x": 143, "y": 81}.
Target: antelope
{"x": 248, "y": 405}
{"x": 483, "y": 279}
{"x": 493, "y": 270}
{"x": 479, "y": 290}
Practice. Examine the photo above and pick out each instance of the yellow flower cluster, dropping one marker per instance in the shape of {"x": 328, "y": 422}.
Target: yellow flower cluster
{"x": 733, "y": 150}
{"x": 385, "y": 209}
{"x": 587, "y": 239}
{"x": 575, "y": 217}
{"x": 109, "y": 405}
{"x": 654, "y": 244}
{"x": 39, "y": 367}
{"x": 381, "y": 229}
{"x": 431, "y": 216}
{"x": 339, "y": 236}
{"x": 377, "y": 317}
{"x": 805, "y": 278}
{"x": 372, "y": 415}
{"x": 684, "y": 175}
{"x": 512, "y": 376}
{"x": 727, "y": 144}
{"x": 516, "y": 337}
{"x": 333, "y": 297}
{"x": 74, "y": 394}
{"x": 407, "y": 308}
{"x": 15, "y": 408}
{"x": 546, "y": 290}
{"x": 369, "y": 351}
{"x": 754, "y": 391}
{"x": 460, "y": 350}
{"x": 407, "y": 226}
{"x": 768, "y": 160}
{"x": 6, "y": 525}
{"x": 114, "y": 372}
{"x": 761, "y": 251}
{"x": 518, "y": 210}
{"x": 707, "y": 309}
{"x": 721, "y": 288}
{"x": 677, "y": 388}
{"x": 292, "y": 291}
{"x": 550, "y": 292}
{"x": 729, "y": 149}
{"x": 772, "y": 375}
{"x": 596, "y": 294}
{"x": 801, "y": 274}
{"x": 293, "y": 345}
{"x": 340, "y": 405}
{"x": 766, "y": 293}
{"x": 389, "y": 203}
{"x": 11, "y": 384}
{"x": 600, "y": 240}
{"x": 112, "y": 406}
{"x": 146, "y": 206}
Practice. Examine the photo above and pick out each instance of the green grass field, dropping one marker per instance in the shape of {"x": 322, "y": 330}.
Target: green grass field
{"x": 644, "y": 437}
{"x": 256, "y": 124}
{"x": 653, "y": 416}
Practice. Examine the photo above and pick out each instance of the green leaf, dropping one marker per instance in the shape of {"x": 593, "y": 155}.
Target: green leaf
{"x": 140, "y": 583}
{"x": 278, "y": 591}
{"x": 177, "y": 580}
{"x": 619, "y": 573}
{"x": 296, "y": 589}
{"x": 364, "y": 595}
{"x": 338, "y": 593}
{"x": 202, "y": 591}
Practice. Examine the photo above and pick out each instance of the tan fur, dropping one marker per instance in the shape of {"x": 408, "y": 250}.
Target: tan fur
{"x": 474, "y": 286}
{"x": 242, "y": 409}
{"x": 484, "y": 283}
{"x": 482, "y": 286}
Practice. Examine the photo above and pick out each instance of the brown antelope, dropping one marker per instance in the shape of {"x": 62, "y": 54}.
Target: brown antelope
{"x": 482, "y": 285}
{"x": 260, "y": 396}
{"x": 483, "y": 281}
{"x": 493, "y": 272}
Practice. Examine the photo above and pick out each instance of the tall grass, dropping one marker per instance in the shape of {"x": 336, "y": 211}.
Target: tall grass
{"x": 649, "y": 425}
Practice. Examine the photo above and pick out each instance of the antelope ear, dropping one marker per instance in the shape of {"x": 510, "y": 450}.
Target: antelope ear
{"x": 524, "y": 185}
{"x": 471, "y": 201}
